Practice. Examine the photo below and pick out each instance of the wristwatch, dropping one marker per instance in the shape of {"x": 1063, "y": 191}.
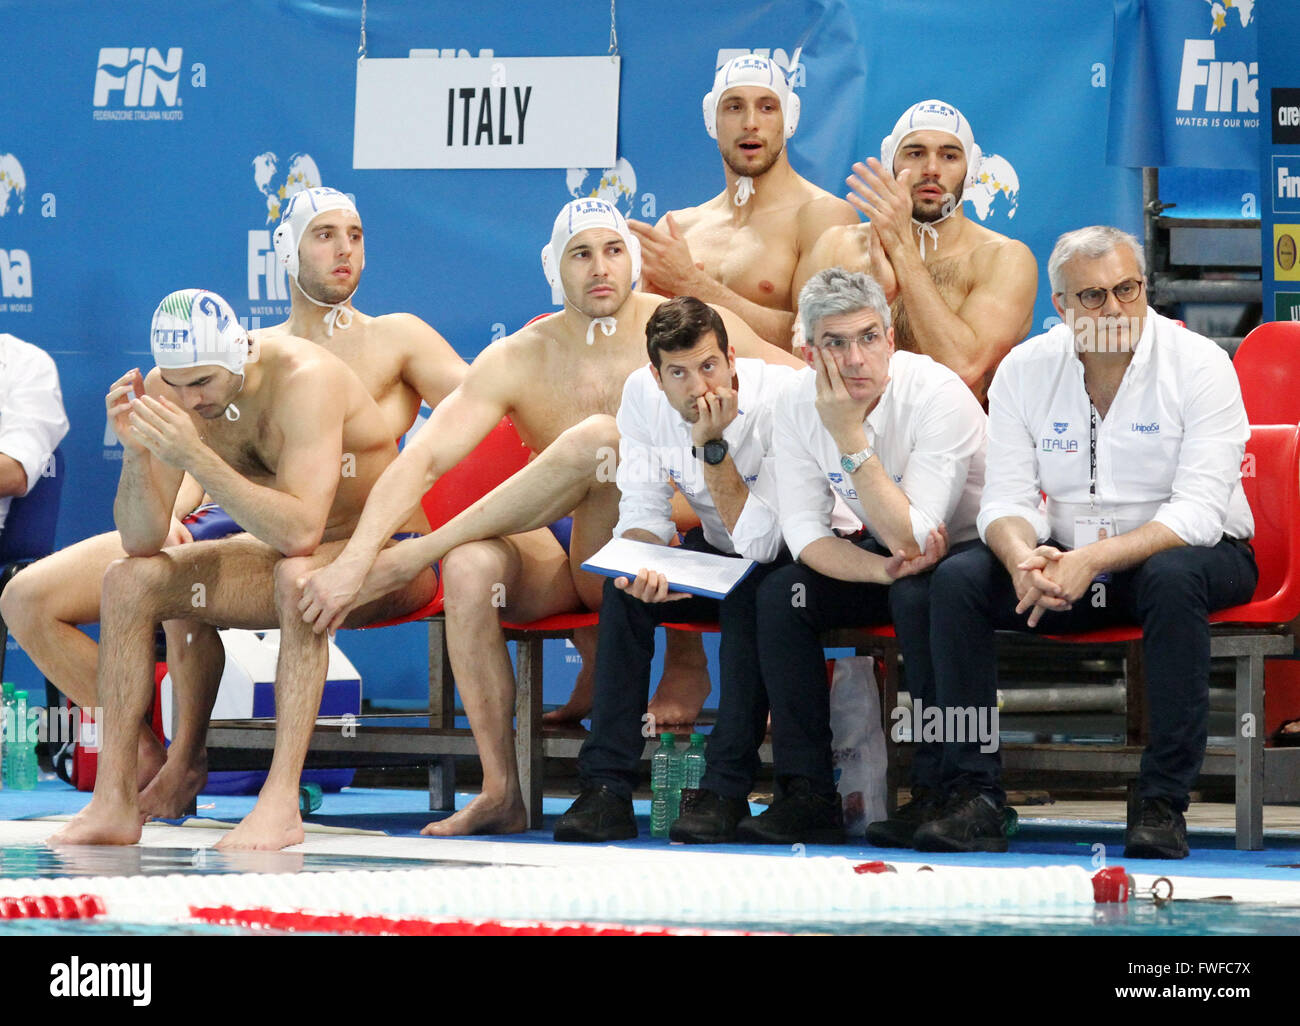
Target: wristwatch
{"x": 711, "y": 452}
{"x": 851, "y": 461}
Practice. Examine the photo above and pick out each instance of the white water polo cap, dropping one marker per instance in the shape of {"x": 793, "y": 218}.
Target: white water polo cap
{"x": 197, "y": 328}
{"x": 752, "y": 70}
{"x": 301, "y": 209}
{"x": 936, "y": 116}
{"x": 577, "y": 216}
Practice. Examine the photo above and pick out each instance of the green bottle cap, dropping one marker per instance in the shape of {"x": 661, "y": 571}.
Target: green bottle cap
{"x": 8, "y": 689}
{"x": 668, "y": 739}
{"x": 20, "y": 695}
{"x": 696, "y": 738}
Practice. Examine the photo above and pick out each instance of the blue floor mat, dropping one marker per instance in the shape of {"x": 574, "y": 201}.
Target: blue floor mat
{"x": 402, "y": 813}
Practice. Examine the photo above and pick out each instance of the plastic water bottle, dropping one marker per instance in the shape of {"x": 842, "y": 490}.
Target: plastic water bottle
{"x": 676, "y": 777}
{"x": 23, "y": 764}
{"x": 309, "y": 798}
{"x": 694, "y": 760}
{"x": 662, "y": 804}
{"x": 9, "y": 731}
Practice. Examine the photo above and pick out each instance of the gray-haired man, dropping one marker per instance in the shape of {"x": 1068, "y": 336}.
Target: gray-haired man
{"x": 900, "y": 438}
{"x": 1129, "y": 424}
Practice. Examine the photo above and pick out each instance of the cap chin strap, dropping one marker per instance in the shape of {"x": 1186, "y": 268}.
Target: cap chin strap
{"x": 744, "y": 189}
{"x": 927, "y": 228}
{"x": 923, "y": 229}
{"x": 607, "y": 324}
{"x": 232, "y": 411}
{"x": 339, "y": 313}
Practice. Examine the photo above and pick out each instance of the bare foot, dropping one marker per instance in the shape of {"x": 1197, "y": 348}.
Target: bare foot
{"x": 101, "y": 822}
{"x": 267, "y": 828}
{"x": 171, "y": 793}
{"x": 483, "y": 815}
{"x": 681, "y": 692}
{"x": 150, "y": 755}
{"x": 578, "y": 707}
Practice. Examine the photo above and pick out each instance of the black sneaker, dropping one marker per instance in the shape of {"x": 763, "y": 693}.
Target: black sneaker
{"x": 598, "y": 815}
{"x": 799, "y": 816}
{"x": 1158, "y": 831}
{"x": 711, "y": 820}
{"x": 900, "y": 829}
{"x": 967, "y": 822}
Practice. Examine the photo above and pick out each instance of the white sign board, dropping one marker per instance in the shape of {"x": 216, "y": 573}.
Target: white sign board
{"x": 486, "y": 112}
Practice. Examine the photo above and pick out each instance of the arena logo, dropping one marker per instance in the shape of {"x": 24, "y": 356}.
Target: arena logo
{"x": 130, "y": 82}
{"x": 13, "y": 184}
{"x": 267, "y": 281}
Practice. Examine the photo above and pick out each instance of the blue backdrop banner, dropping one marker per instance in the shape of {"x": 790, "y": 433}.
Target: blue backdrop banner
{"x": 1186, "y": 86}
{"x": 149, "y": 146}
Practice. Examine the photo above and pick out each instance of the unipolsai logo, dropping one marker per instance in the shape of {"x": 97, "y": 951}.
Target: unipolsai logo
{"x": 267, "y": 280}
{"x": 139, "y": 83}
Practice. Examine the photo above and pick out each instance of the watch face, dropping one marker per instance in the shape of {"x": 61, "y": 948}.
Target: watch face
{"x": 715, "y": 452}
{"x": 848, "y": 464}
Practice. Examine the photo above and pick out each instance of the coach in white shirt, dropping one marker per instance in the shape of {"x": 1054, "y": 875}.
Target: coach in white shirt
{"x": 1134, "y": 429}
{"x": 900, "y": 439}
{"x": 32, "y": 420}
{"x": 699, "y": 418}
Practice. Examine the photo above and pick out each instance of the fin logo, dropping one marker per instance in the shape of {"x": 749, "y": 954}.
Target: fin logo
{"x": 141, "y": 75}
{"x": 776, "y": 53}
{"x": 267, "y": 280}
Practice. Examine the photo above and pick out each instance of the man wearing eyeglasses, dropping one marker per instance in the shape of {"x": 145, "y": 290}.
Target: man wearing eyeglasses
{"x": 1132, "y": 425}
{"x": 900, "y": 439}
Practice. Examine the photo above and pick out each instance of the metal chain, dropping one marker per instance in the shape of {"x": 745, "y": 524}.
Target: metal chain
{"x": 361, "y": 50}
{"x": 613, "y": 32}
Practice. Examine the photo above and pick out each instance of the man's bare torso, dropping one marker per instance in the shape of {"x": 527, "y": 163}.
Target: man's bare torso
{"x": 253, "y": 445}
{"x": 558, "y": 380}
{"x": 377, "y": 349}
{"x": 757, "y": 260}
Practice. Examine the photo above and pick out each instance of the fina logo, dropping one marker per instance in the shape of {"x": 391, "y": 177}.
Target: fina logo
{"x": 616, "y": 186}
{"x": 1221, "y": 86}
{"x": 15, "y": 264}
{"x": 300, "y": 174}
{"x": 140, "y": 74}
{"x": 13, "y": 183}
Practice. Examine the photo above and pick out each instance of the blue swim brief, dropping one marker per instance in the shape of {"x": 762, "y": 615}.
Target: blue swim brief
{"x": 210, "y": 522}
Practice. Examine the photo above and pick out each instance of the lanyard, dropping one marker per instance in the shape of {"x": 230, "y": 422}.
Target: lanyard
{"x": 1092, "y": 455}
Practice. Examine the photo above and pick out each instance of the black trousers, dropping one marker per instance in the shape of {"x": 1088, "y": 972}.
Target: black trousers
{"x": 795, "y": 605}
{"x": 611, "y": 755}
{"x": 1170, "y": 595}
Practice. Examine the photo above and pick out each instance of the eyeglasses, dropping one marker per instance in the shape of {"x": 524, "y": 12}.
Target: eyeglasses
{"x": 1095, "y": 298}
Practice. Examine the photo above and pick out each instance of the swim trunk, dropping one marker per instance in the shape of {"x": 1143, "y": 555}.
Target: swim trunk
{"x": 210, "y": 522}
{"x": 562, "y": 529}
